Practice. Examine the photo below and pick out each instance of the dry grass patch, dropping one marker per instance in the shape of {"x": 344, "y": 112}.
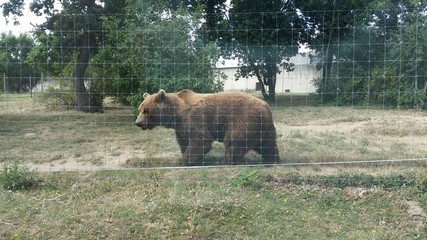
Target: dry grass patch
{"x": 349, "y": 134}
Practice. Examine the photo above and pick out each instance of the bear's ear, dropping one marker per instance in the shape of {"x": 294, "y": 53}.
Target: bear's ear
{"x": 145, "y": 95}
{"x": 162, "y": 95}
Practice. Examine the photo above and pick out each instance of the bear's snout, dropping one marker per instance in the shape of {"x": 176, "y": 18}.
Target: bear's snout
{"x": 141, "y": 125}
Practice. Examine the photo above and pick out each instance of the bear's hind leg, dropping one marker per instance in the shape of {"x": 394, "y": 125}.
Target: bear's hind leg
{"x": 195, "y": 152}
{"x": 235, "y": 151}
{"x": 269, "y": 152}
{"x": 183, "y": 143}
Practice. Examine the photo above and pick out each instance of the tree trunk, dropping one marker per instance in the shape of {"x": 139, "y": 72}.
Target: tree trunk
{"x": 267, "y": 81}
{"x": 83, "y": 101}
{"x": 271, "y": 82}
{"x": 81, "y": 94}
{"x": 327, "y": 66}
{"x": 425, "y": 88}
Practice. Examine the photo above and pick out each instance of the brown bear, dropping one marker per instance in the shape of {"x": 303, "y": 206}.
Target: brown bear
{"x": 240, "y": 121}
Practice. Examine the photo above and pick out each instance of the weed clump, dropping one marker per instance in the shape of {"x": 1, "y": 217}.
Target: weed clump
{"x": 57, "y": 99}
{"x": 15, "y": 177}
{"x": 422, "y": 185}
{"x": 246, "y": 178}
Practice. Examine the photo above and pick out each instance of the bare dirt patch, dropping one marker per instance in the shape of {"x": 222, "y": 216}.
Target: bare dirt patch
{"x": 416, "y": 213}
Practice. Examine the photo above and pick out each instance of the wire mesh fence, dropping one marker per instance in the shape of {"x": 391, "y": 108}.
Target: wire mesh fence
{"x": 340, "y": 91}
{"x": 342, "y": 87}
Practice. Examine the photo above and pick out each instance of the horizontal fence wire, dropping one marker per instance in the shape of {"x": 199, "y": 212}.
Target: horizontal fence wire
{"x": 285, "y": 165}
{"x": 343, "y": 87}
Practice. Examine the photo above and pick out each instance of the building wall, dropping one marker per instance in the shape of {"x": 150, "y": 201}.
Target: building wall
{"x": 297, "y": 81}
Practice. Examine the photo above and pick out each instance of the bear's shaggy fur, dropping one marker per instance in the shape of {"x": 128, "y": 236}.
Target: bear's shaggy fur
{"x": 240, "y": 121}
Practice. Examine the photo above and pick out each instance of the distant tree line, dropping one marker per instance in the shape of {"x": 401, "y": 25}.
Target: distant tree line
{"x": 16, "y": 74}
{"x": 370, "y": 52}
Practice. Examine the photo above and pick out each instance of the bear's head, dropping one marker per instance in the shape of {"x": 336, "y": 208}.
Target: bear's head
{"x": 156, "y": 110}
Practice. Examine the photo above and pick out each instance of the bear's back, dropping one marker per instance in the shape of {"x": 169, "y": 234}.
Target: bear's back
{"x": 238, "y": 100}
{"x": 224, "y": 103}
{"x": 228, "y": 99}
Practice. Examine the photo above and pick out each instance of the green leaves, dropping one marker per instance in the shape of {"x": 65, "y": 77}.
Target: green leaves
{"x": 15, "y": 177}
{"x": 14, "y": 55}
{"x": 247, "y": 177}
{"x": 261, "y": 34}
{"x": 371, "y": 53}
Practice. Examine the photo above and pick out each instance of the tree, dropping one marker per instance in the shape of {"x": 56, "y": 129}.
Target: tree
{"x": 329, "y": 23}
{"x": 262, "y": 35}
{"x": 75, "y": 30}
{"x": 14, "y": 52}
{"x": 148, "y": 45}
{"x": 402, "y": 80}
{"x": 157, "y": 47}
{"x": 370, "y": 51}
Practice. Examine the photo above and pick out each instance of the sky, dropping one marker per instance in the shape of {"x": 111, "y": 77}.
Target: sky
{"x": 26, "y": 21}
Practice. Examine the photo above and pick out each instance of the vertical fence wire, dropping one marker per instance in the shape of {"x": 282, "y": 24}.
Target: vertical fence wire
{"x": 366, "y": 108}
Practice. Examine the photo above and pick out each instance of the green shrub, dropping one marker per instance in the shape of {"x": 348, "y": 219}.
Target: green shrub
{"x": 16, "y": 177}
{"x": 422, "y": 185}
{"x": 63, "y": 98}
{"x": 246, "y": 178}
{"x": 56, "y": 99}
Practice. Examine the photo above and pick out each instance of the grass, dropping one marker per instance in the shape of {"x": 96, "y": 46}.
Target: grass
{"x": 232, "y": 203}
{"x": 309, "y": 134}
{"x": 374, "y": 201}
{"x": 306, "y": 133}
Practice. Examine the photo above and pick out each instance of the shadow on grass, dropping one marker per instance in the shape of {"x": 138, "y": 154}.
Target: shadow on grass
{"x": 213, "y": 158}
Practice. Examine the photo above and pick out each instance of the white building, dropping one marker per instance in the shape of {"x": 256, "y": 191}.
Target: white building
{"x": 297, "y": 81}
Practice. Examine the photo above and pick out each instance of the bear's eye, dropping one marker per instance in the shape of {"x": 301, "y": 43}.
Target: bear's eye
{"x": 144, "y": 111}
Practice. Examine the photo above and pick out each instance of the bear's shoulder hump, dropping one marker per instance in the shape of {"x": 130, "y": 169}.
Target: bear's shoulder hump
{"x": 184, "y": 92}
{"x": 189, "y": 97}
